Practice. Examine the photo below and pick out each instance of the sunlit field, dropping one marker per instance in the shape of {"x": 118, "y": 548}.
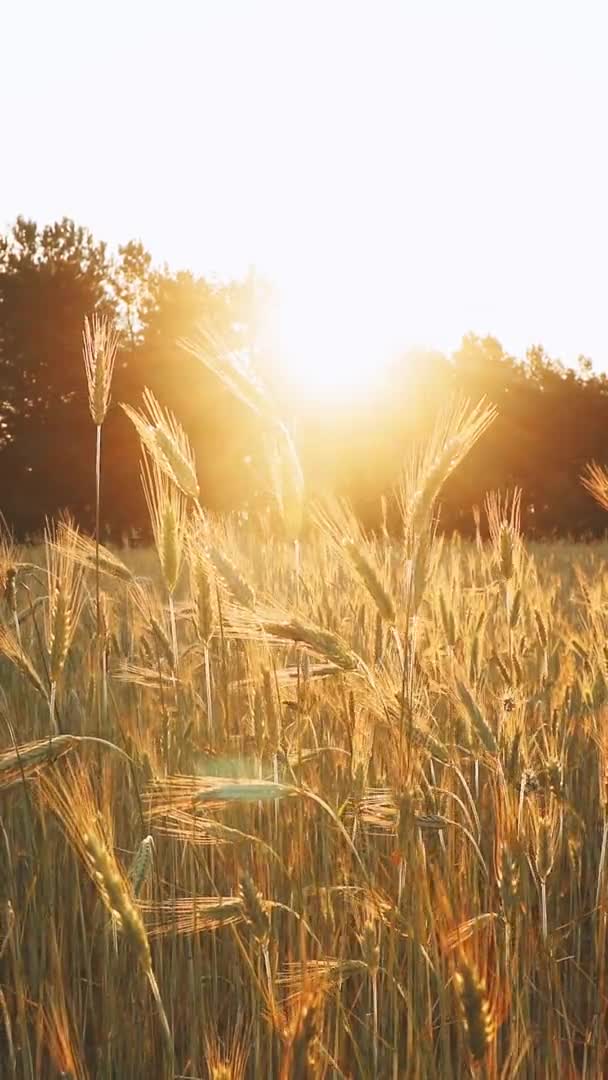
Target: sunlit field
{"x": 282, "y": 798}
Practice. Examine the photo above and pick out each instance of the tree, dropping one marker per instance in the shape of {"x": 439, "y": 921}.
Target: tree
{"x": 50, "y": 278}
{"x": 551, "y": 420}
{"x": 132, "y": 284}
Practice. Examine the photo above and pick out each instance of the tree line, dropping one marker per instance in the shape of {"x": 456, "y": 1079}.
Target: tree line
{"x": 552, "y": 420}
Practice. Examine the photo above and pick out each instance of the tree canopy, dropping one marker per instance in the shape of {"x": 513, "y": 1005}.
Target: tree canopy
{"x": 551, "y": 422}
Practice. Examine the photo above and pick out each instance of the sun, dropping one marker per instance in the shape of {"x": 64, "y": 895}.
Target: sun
{"x": 335, "y": 343}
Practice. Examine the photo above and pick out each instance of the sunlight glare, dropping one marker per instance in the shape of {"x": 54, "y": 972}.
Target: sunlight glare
{"x": 334, "y": 343}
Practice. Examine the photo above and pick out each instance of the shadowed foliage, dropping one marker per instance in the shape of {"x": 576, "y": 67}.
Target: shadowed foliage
{"x": 551, "y": 420}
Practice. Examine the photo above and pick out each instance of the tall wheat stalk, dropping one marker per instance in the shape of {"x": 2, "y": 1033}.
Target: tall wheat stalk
{"x": 100, "y": 345}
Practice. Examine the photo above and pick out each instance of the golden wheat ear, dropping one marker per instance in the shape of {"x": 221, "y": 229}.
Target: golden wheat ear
{"x": 65, "y": 596}
{"x": 84, "y": 553}
{"x": 20, "y": 762}
{"x": 337, "y": 521}
{"x": 167, "y": 507}
{"x": 504, "y": 522}
{"x": 100, "y": 345}
{"x": 167, "y": 443}
{"x": 234, "y": 373}
{"x": 454, "y": 435}
{"x": 475, "y": 1010}
{"x": 246, "y": 385}
{"x": 595, "y": 480}
{"x": 299, "y": 1036}
{"x": 11, "y": 648}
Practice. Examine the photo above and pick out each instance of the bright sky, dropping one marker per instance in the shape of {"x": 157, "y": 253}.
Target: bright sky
{"x": 417, "y": 169}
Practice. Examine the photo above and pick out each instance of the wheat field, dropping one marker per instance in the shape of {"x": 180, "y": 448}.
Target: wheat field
{"x": 305, "y": 803}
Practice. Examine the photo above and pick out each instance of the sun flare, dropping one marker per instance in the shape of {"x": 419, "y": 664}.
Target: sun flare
{"x": 334, "y": 345}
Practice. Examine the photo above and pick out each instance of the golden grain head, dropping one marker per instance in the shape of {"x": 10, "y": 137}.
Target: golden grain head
{"x": 100, "y": 345}
{"x": 167, "y": 443}
{"x": 475, "y": 1010}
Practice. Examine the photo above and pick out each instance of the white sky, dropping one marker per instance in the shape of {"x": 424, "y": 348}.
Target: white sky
{"x": 434, "y": 167}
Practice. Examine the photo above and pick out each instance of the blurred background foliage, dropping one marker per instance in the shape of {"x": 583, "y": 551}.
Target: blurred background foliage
{"x": 552, "y": 420}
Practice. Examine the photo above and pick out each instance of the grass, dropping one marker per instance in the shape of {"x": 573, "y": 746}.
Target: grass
{"x": 341, "y": 814}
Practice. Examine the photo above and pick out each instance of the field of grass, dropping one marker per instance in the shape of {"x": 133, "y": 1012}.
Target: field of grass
{"x": 336, "y": 807}
{"x": 343, "y": 877}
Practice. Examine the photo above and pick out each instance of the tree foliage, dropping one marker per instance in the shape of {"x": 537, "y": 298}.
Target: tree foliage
{"x": 552, "y": 420}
